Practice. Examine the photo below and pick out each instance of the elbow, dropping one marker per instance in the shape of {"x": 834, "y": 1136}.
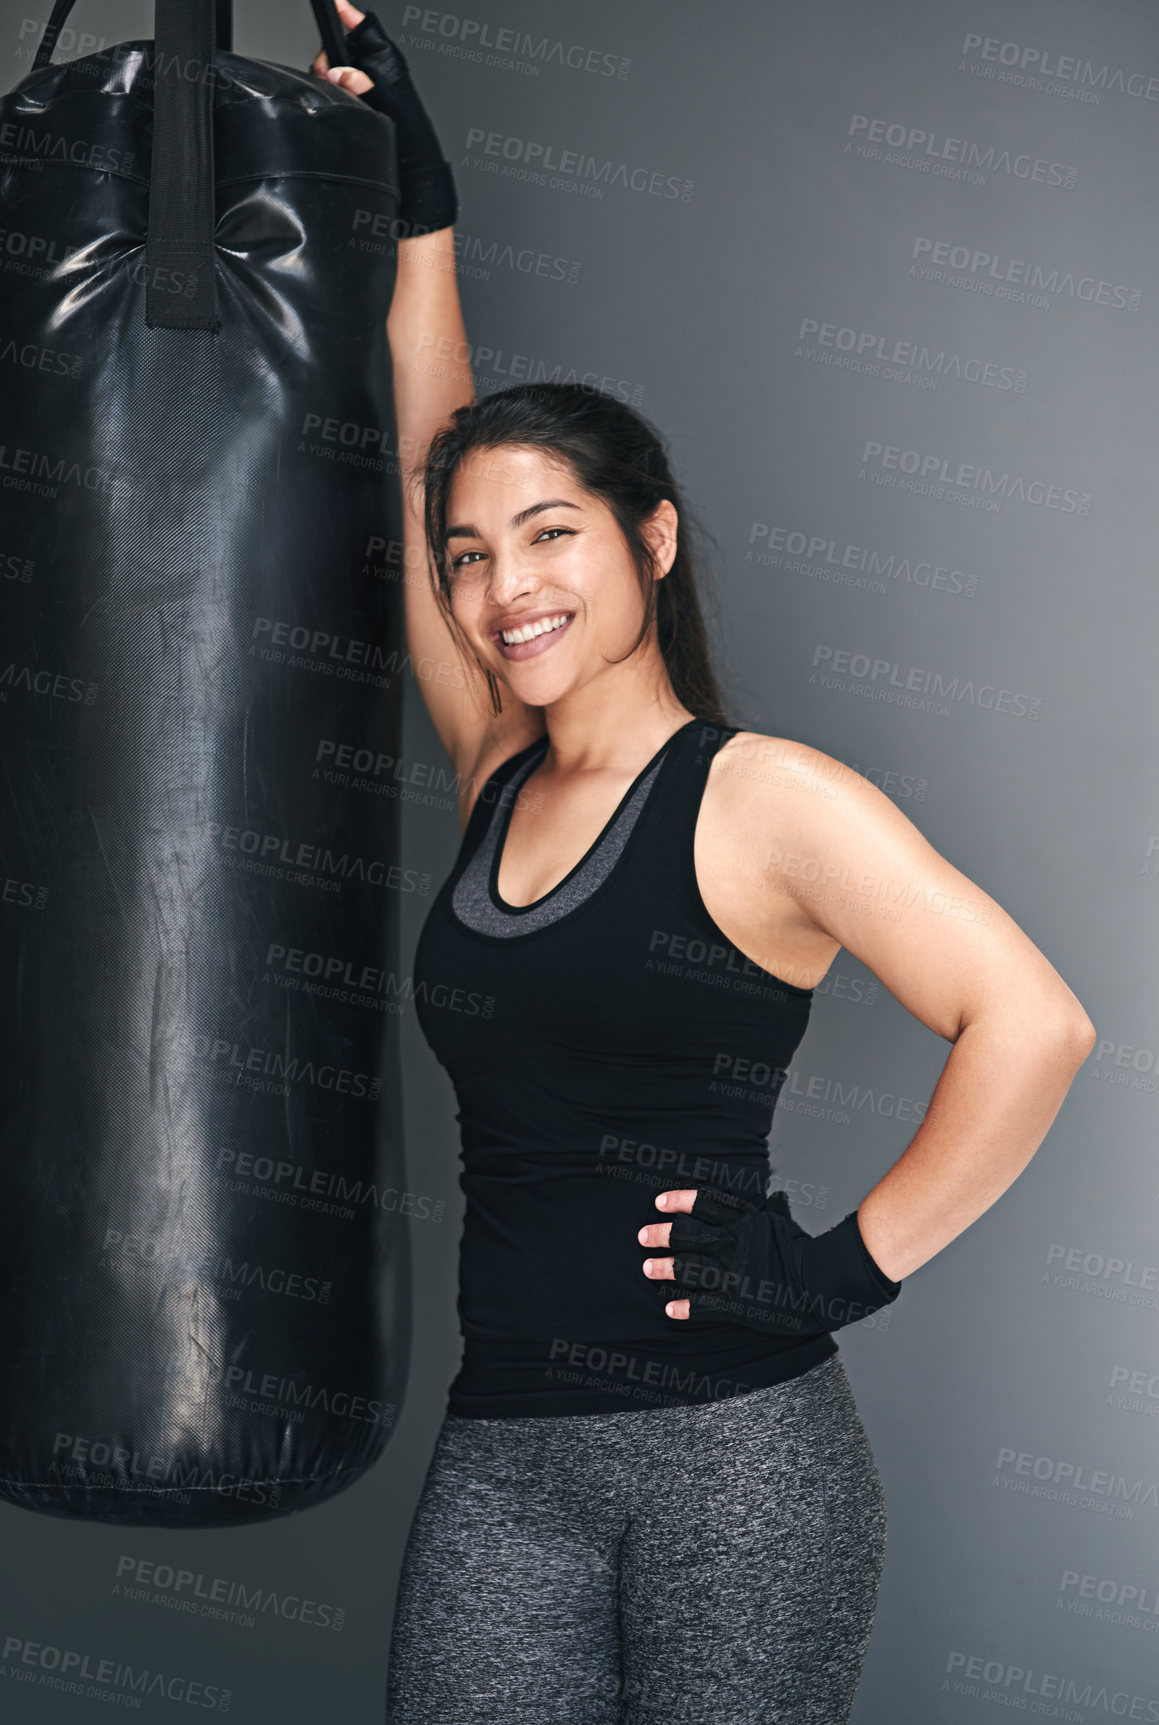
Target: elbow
{"x": 1060, "y": 1020}
{"x": 1076, "y": 1035}
{"x": 1061, "y": 1033}
{"x": 1085, "y": 1036}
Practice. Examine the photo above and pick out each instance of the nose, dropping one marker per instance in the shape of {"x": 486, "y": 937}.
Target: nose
{"x": 508, "y": 577}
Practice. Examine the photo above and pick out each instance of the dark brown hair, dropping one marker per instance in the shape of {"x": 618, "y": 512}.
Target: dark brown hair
{"x": 618, "y": 456}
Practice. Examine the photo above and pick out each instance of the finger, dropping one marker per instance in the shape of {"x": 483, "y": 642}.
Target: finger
{"x": 692, "y": 1270}
{"x": 350, "y": 78}
{"x": 350, "y": 16}
{"x": 654, "y": 1233}
{"x": 677, "y": 1309}
{"x": 660, "y": 1269}
{"x": 713, "y": 1204}
{"x": 682, "y": 1199}
{"x": 686, "y": 1231}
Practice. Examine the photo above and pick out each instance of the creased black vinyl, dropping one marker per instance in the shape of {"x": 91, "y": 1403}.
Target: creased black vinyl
{"x": 204, "y": 1270}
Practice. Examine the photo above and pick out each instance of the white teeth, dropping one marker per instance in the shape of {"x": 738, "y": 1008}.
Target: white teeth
{"x": 512, "y": 637}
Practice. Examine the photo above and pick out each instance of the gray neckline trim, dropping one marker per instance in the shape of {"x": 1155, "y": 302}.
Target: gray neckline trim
{"x": 472, "y": 901}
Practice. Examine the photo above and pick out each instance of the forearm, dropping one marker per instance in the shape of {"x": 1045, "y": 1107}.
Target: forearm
{"x": 432, "y": 377}
{"x": 991, "y": 1108}
{"x": 428, "y": 343}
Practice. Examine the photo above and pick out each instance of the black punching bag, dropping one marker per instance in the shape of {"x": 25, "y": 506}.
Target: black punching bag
{"x": 204, "y": 1265}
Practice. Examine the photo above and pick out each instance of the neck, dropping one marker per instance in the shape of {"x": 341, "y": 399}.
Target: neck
{"x": 588, "y": 732}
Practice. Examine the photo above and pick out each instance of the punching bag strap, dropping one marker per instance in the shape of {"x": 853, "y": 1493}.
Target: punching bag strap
{"x": 179, "y": 248}
{"x": 325, "y": 16}
{"x": 52, "y": 29}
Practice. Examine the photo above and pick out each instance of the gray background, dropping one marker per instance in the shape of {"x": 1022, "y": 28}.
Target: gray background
{"x": 1006, "y": 1366}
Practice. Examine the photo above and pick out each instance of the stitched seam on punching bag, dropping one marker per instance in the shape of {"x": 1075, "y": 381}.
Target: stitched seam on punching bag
{"x": 77, "y": 167}
{"x": 233, "y": 179}
{"x": 159, "y": 1490}
{"x": 309, "y": 174}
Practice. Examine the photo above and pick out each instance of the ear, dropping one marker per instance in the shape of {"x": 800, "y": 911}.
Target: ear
{"x": 660, "y": 532}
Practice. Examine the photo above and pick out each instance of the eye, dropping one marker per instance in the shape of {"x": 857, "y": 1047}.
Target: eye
{"x": 460, "y": 562}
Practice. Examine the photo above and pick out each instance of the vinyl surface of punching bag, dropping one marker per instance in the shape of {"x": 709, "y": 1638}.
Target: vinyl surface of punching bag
{"x": 204, "y": 1264}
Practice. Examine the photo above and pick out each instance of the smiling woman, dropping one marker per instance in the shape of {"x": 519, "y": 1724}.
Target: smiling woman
{"x": 517, "y": 635}
{"x": 636, "y": 891}
{"x": 652, "y": 1487}
{"x": 555, "y": 511}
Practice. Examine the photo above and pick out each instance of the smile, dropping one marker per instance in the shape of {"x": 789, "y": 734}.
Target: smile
{"x": 533, "y": 638}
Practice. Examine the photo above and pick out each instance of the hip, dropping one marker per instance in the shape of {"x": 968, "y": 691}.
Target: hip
{"x": 804, "y": 1431}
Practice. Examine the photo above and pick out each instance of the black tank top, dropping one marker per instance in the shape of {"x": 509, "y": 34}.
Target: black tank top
{"x": 606, "y": 1042}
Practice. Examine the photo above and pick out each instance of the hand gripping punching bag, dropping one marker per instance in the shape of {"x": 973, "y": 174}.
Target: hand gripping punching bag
{"x": 204, "y": 1267}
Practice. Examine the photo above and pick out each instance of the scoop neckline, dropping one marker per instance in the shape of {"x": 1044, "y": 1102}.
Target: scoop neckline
{"x": 496, "y": 897}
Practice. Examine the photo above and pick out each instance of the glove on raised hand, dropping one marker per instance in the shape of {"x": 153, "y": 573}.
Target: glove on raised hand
{"x": 755, "y": 1264}
{"x": 426, "y": 184}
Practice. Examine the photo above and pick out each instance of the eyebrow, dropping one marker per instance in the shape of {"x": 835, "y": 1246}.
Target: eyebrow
{"x": 464, "y": 530}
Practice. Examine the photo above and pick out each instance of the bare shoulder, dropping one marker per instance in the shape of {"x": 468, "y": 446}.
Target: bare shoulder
{"x": 783, "y": 754}
{"x": 820, "y": 834}
{"x": 757, "y": 777}
{"x": 800, "y": 813}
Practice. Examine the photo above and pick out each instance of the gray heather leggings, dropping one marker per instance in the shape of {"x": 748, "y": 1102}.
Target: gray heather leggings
{"x": 707, "y": 1564}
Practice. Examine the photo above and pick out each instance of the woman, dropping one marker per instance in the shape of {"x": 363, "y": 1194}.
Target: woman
{"x": 652, "y": 1497}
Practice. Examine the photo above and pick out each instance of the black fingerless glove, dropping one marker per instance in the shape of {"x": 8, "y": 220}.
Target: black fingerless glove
{"x": 754, "y": 1264}
{"x": 427, "y": 187}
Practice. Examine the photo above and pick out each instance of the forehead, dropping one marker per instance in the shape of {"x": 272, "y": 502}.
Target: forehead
{"x": 496, "y": 483}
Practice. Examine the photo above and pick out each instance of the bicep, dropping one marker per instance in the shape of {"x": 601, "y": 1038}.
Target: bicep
{"x": 430, "y": 358}
{"x": 862, "y": 871}
{"x": 451, "y": 684}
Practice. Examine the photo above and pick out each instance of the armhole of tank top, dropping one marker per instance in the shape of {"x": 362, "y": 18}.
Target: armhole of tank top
{"x": 797, "y": 993}
{"x": 483, "y": 808}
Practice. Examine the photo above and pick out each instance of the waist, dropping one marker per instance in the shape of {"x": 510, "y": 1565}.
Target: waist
{"x": 549, "y": 1247}
{"x": 654, "y": 1157}
{"x": 560, "y": 1375}
{"x": 557, "y": 1313}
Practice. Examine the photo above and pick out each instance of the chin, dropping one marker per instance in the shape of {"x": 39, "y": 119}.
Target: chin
{"x": 535, "y": 691}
